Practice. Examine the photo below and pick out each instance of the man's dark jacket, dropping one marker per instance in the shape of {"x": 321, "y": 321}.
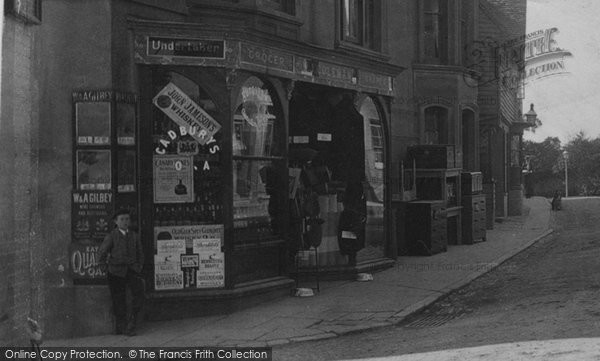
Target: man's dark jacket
{"x": 123, "y": 252}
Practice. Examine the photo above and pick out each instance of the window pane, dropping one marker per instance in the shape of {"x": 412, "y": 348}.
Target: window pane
{"x": 374, "y": 185}
{"x": 436, "y": 125}
{"x": 370, "y": 22}
{"x": 351, "y": 13}
{"x": 431, "y": 35}
{"x": 256, "y": 123}
{"x": 257, "y": 191}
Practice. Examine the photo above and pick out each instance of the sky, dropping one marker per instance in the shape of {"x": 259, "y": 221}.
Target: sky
{"x": 567, "y": 103}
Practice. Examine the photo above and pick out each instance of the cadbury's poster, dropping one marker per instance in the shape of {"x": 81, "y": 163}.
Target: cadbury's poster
{"x": 173, "y": 179}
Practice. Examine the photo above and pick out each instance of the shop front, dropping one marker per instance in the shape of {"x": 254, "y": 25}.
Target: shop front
{"x": 206, "y": 155}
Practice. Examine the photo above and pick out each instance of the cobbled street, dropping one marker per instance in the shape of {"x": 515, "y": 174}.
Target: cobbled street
{"x": 549, "y": 291}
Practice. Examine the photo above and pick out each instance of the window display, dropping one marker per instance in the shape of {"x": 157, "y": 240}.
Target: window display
{"x": 258, "y": 173}
{"x": 188, "y": 194}
{"x": 374, "y": 185}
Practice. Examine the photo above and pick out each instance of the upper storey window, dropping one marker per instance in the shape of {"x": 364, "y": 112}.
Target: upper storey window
{"x": 286, "y": 6}
{"x": 435, "y": 30}
{"x": 360, "y": 21}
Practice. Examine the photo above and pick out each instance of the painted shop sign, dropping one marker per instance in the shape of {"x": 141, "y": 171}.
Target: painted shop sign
{"x": 173, "y": 179}
{"x": 84, "y": 264}
{"x": 190, "y": 48}
{"x": 373, "y": 80}
{"x": 336, "y": 72}
{"x": 258, "y": 55}
{"x": 91, "y": 215}
{"x": 186, "y": 113}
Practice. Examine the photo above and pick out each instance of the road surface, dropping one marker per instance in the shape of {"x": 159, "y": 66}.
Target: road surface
{"x": 549, "y": 291}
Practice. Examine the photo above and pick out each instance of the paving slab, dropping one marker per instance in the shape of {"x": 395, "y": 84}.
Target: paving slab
{"x": 346, "y": 306}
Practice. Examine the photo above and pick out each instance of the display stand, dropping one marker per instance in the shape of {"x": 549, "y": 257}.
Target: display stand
{"x": 315, "y": 270}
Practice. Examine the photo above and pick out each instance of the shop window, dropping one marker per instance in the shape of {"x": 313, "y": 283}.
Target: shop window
{"x": 359, "y": 22}
{"x": 435, "y": 29}
{"x": 436, "y": 126}
{"x": 187, "y": 188}
{"x": 186, "y": 174}
{"x": 464, "y": 34}
{"x": 377, "y": 142}
{"x": 258, "y": 162}
{"x": 374, "y": 185}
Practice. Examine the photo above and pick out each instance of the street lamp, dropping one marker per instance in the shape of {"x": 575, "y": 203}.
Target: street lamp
{"x": 566, "y": 157}
{"x": 531, "y": 116}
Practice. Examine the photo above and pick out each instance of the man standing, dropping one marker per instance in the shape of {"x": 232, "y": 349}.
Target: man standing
{"x": 122, "y": 251}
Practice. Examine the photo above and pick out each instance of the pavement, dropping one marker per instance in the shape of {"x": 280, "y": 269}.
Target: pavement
{"x": 344, "y": 307}
{"x": 576, "y": 349}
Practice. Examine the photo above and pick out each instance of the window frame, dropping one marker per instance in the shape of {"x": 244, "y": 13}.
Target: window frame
{"x": 241, "y": 225}
{"x": 443, "y": 38}
{"x": 32, "y": 15}
{"x": 442, "y": 126}
{"x": 369, "y": 35}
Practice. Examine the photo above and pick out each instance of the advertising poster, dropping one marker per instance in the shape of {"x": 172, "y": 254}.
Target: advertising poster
{"x": 83, "y": 260}
{"x": 93, "y": 169}
{"x": 93, "y": 123}
{"x": 125, "y": 124}
{"x": 211, "y": 271}
{"x": 173, "y": 179}
{"x": 198, "y": 248}
{"x": 167, "y": 275}
{"x": 186, "y": 113}
{"x": 190, "y": 233}
{"x": 126, "y": 171}
{"x": 175, "y": 247}
{"x": 91, "y": 215}
{"x": 167, "y": 263}
{"x": 189, "y": 265}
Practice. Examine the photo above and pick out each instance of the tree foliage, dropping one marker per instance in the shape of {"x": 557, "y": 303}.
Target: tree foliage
{"x": 547, "y": 165}
{"x": 544, "y": 165}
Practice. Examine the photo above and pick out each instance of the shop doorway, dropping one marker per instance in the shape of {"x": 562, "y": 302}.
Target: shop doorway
{"x": 348, "y": 140}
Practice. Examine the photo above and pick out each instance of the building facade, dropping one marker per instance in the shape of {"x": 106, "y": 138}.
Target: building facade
{"x": 199, "y": 117}
{"x": 501, "y": 63}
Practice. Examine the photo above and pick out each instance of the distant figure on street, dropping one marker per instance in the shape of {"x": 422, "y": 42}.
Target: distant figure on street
{"x": 122, "y": 252}
{"x": 556, "y": 201}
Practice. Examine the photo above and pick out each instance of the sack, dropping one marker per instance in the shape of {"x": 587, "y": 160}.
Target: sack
{"x": 310, "y": 204}
{"x": 314, "y": 232}
{"x": 318, "y": 177}
{"x": 351, "y": 232}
